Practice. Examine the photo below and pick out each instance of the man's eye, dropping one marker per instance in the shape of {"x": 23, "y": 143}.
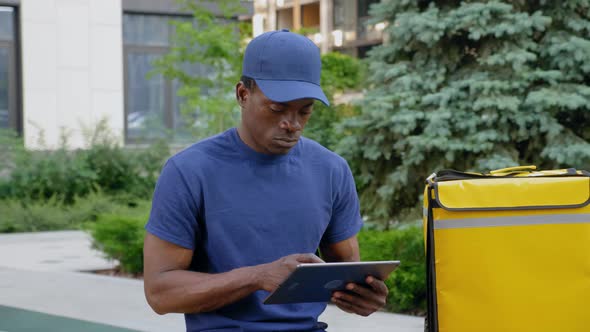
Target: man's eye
{"x": 277, "y": 110}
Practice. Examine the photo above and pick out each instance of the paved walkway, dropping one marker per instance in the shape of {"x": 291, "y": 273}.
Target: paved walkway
{"x": 41, "y": 272}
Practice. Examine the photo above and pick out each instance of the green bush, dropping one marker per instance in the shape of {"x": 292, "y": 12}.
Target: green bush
{"x": 11, "y": 145}
{"x": 323, "y": 127}
{"x": 87, "y": 209}
{"x": 339, "y": 73}
{"x": 407, "y": 285}
{"x": 47, "y": 215}
{"x": 120, "y": 236}
{"x": 124, "y": 171}
{"x": 52, "y": 214}
{"x": 65, "y": 174}
{"x": 42, "y": 175}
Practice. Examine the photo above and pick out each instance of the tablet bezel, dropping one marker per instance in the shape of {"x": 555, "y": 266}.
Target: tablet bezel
{"x": 316, "y": 282}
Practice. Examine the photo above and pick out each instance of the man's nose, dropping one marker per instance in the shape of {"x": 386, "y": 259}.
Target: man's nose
{"x": 290, "y": 123}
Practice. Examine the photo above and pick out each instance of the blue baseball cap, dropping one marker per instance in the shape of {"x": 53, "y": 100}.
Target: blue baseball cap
{"x": 286, "y": 66}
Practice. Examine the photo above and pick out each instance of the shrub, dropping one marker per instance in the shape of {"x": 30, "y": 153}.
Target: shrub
{"x": 407, "y": 285}
{"x": 125, "y": 171}
{"x": 35, "y": 216}
{"x": 28, "y": 174}
{"x": 52, "y": 214}
{"x": 120, "y": 236}
{"x": 339, "y": 73}
{"x": 11, "y": 145}
{"x": 87, "y": 209}
{"x": 41, "y": 175}
{"x": 65, "y": 174}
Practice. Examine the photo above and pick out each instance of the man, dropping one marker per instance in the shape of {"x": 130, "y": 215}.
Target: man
{"x": 234, "y": 214}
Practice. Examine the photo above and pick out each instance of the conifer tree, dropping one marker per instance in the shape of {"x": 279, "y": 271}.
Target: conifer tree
{"x": 470, "y": 85}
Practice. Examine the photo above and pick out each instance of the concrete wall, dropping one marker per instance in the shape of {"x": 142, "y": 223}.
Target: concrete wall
{"x": 285, "y": 19}
{"x": 71, "y": 69}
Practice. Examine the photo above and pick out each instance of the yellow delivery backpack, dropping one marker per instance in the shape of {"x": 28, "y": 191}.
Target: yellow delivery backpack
{"x": 508, "y": 251}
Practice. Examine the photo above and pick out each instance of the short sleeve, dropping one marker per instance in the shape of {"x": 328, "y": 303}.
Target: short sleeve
{"x": 174, "y": 212}
{"x": 346, "y": 220}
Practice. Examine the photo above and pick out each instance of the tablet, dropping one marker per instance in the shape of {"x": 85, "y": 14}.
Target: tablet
{"x": 317, "y": 282}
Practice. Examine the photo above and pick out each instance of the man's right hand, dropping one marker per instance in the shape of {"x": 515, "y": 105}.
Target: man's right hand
{"x": 171, "y": 287}
{"x": 271, "y": 275}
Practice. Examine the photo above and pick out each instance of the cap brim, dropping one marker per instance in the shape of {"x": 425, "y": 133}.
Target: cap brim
{"x": 285, "y": 91}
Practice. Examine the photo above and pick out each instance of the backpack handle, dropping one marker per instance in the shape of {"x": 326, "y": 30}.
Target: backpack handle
{"x": 516, "y": 169}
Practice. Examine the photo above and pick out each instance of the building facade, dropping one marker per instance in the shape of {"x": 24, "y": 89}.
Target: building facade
{"x": 66, "y": 65}
{"x": 334, "y": 25}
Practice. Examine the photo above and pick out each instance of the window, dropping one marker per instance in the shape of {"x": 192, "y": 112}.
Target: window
{"x": 364, "y": 6}
{"x": 152, "y": 107}
{"x": 344, "y": 15}
{"x": 8, "y": 86}
{"x": 363, "y": 28}
{"x": 344, "y": 23}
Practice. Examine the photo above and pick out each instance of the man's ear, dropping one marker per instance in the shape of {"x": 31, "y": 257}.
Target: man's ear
{"x": 242, "y": 93}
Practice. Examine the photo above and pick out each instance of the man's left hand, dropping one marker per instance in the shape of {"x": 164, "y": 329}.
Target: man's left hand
{"x": 362, "y": 300}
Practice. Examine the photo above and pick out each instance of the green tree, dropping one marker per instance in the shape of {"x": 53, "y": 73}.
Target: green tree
{"x": 205, "y": 58}
{"x": 470, "y": 85}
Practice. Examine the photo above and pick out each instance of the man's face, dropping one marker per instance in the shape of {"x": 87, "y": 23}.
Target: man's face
{"x": 271, "y": 127}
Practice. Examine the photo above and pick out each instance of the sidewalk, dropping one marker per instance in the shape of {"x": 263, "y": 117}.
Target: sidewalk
{"x": 39, "y": 272}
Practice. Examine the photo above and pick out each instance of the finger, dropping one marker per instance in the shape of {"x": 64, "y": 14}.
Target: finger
{"x": 343, "y": 306}
{"x": 351, "y": 307}
{"x": 378, "y": 285}
{"x": 316, "y": 259}
{"x": 367, "y": 294}
{"x": 357, "y": 302}
{"x": 309, "y": 258}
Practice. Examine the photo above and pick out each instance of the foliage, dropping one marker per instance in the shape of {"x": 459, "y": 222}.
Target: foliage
{"x": 87, "y": 209}
{"x": 65, "y": 174}
{"x": 323, "y": 126}
{"x": 407, "y": 285}
{"x": 205, "y": 59}
{"x": 340, "y": 73}
{"x": 52, "y": 214}
{"x": 120, "y": 236}
{"x": 306, "y": 31}
{"x": 11, "y": 145}
{"x": 38, "y": 216}
{"x": 42, "y": 175}
{"x": 472, "y": 85}
{"x": 126, "y": 170}
{"x": 64, "y": 188}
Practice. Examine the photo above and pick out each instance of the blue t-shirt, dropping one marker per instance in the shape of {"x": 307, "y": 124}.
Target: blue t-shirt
{"x": 235, "y": 207}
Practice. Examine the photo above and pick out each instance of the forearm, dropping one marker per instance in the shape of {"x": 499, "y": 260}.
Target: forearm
{"x": 344, "y": 251}
{"x": 329, "y": 257}
{"x": 181, "y": 291}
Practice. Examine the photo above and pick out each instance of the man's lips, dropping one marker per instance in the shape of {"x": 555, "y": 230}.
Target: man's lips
{"x": 286, "y": 142}
{"x": 287, "y": 139}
